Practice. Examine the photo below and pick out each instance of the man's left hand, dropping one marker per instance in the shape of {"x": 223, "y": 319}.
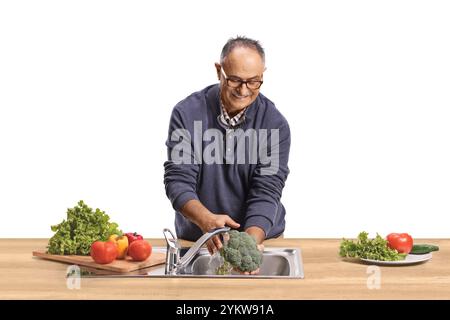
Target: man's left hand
{"x": 260, "y": 248}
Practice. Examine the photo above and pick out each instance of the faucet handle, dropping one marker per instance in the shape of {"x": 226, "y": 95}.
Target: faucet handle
{"x": 171, "y": 239}
{"x": 173, "y": 251}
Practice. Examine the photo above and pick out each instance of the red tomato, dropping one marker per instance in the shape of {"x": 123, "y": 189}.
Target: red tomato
{"x": 402, "y": 242}
{"x": 140, "y": 250}
{"x": 103, "y": 252}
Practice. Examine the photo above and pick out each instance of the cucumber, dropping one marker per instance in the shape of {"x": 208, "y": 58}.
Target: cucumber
{"x": 423, "y": 248}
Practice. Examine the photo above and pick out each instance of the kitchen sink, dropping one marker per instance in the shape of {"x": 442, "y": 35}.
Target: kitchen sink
{"x": 276, "y": 263}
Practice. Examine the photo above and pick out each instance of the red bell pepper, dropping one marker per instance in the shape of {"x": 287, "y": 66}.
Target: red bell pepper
{"x": 133, "y": 236}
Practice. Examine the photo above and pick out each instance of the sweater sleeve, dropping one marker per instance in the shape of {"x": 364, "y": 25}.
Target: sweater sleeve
{"x": 268, "y": 182}
{"x": 180, "y": 170}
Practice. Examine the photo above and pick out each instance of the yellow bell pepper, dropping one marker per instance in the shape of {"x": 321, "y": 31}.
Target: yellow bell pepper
{"x": 121, "y": 243}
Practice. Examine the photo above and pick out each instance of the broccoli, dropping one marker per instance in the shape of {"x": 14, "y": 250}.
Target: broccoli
{"x": 241, "y": 252}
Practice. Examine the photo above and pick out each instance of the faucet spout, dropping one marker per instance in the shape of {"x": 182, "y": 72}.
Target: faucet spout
{"x": 184, "y": 261}
{"x": 173, "y": 262}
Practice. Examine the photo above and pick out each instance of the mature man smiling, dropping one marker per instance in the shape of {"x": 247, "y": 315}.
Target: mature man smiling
{"x": 210, "y": 194}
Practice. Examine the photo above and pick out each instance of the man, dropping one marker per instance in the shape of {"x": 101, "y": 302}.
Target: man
{"x": 228, "y": 150}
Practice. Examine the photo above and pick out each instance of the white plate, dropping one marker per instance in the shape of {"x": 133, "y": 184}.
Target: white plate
{"x": 409, "y": 259}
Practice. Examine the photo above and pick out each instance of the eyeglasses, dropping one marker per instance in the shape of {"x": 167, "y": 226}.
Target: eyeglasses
{"x": 237, "y": 83}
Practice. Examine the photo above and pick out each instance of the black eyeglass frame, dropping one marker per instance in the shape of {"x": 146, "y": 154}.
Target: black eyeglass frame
{"x": 240, "y": 81}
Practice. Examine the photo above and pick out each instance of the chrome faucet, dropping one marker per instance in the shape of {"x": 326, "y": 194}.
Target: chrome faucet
{"x": 175, "y": 264}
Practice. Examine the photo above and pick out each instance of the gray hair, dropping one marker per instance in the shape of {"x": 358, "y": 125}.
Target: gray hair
{"x": 242, "y": 42}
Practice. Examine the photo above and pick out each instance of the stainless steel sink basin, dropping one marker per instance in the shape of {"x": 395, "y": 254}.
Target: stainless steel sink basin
{"x": 277, "y": 263}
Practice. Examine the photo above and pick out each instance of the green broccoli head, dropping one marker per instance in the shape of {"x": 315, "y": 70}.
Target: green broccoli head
{"x": 241, "y": 251}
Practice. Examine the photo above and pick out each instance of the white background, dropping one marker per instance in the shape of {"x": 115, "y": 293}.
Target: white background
{"x": 87, "y": 87}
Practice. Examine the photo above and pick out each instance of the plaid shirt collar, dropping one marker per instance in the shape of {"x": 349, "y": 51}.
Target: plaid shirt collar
{"x": 227, "y": 120}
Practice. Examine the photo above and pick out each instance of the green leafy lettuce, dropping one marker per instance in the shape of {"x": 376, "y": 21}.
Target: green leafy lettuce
{"x": 82, "y": 227}
{"x": 363, "y": 247}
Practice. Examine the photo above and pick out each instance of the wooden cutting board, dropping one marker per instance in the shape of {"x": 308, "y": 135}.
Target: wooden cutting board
{"x": 122, "y": 266}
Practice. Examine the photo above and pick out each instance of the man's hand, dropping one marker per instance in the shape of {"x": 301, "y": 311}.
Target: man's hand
{"x": 212, "y": 221}
{"x": 259, "y": 235}
{"x": 195, "y": 211}
{"x": 260, "y": 248}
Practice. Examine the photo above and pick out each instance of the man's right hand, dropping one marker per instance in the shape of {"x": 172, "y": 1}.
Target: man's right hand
{"x": 195, "y": 211}
{"x": 213, "y": 221}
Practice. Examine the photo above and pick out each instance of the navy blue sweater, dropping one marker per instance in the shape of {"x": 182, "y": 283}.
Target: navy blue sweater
{"x": 241, "y": 190}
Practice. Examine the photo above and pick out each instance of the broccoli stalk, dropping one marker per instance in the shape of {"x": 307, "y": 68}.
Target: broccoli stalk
{"x": 241, "y": 252}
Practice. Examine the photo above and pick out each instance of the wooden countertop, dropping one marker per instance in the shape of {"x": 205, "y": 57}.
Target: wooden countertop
{"x": 326, "y": 277}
